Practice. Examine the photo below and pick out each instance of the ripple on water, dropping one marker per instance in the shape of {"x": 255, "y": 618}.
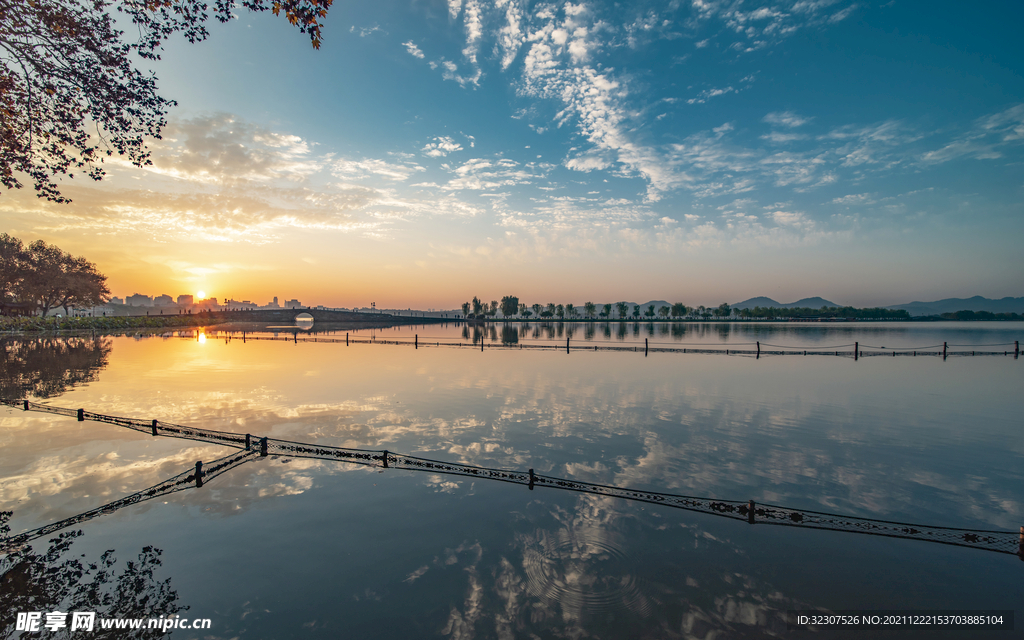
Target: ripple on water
{"x": 585, "y": 570}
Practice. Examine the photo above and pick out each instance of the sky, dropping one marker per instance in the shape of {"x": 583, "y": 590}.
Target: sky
{"x": 701, "y": 152}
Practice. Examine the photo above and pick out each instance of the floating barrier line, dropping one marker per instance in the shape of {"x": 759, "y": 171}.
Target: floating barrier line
{"x": 180, "y": 482}
{"x": 560, "y": 345}
{"x": 254, "y": 447}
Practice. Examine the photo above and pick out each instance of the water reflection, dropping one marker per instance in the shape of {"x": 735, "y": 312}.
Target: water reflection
{"x": 54, "y": 580}
{"x": 47, "y": 367}
{"x": 896, "y": 439}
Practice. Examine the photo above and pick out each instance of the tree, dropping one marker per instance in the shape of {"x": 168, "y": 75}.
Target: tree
{"x": 536, "y": 309}
{"x": 622, "y": 308}
{"x": 560, "y": 311}
{"x": 550, "y": 309}
{"x": 84, "y": 286}
{"x": 607, "y": 310}
{"x": 12, "y": 266}
{"x": 509, "y": 306}
{"x": 650, "y": 311}
{"x": 678, "y": 310}
{"x": 494, "y": 308}
{"x": 663, "y": 311}
{"x": 570, "y": 310}
{"x": 636, "y": 311}
{"x": 66, "y": 68}
{"x": 589, "y": 308}
{"x": 465, "y": 309}
{"x": 724, "y": 310}
{"x": 44, "y": 283}
{"x": 477, "y": 306}
{"x": 522, "y": 309}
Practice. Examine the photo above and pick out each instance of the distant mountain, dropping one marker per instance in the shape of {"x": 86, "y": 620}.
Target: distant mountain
{"x": 949, "y": 305}
{"x": 811, "y": 303}
{"x": 761, "y": 301}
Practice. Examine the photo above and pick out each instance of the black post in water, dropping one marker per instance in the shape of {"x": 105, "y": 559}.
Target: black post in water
{"x": 295, "y": 337}
{"x": 81, "y": 415}
{"x": 1016, "y": 348}
{"x": 417, "y": 341}
{"x": 567, "y": 344}
{"x": 532, "y": 479}
{"x": 346, "y": 339}
{"x": 199, "y": 474}
{"x": 856, "y": 350}
{"x": 154, "y": 426}
{"x": 750, "y": 512}
{"x": 263, "y": 447}
{"x": 758, "y": 348}
{"x": 943, "y": 350}
{"x": 248, "y": 442}
{"x": 384, "y": 458}
{"x": 645, "y": 347}
{"x": 243, "y": 337}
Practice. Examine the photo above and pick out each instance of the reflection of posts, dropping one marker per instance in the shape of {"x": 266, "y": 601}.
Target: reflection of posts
{"x": 1008, "y": 542}
{"x": 174, "y": 484}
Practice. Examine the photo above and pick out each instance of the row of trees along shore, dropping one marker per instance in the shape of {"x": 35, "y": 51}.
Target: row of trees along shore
{"x": 40, "y": 277}
{"x": 510, "y": 307}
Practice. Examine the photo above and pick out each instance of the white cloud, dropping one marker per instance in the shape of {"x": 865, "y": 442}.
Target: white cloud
{"x": 587, "y": 163}
{"x": 781, "y": 138}
{"x": 222, "y": 149}
{"x": 707, "y": 94}
{"x": 450, "y": 71}
{"x": 988, "y": 139}
{"x": 511, "y": 35}
{"x": 854, "y": 199}
{"x": 441, "y": 147}
{"x": 413, "y": 50}
{"x": 364, "y": 31}
{"x": 786, "y": 119}
{"x": 480, "y": 174}
{"x": 373, "y": 167}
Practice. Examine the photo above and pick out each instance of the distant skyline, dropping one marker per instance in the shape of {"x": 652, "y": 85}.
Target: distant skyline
{"x": 703, "y": 152}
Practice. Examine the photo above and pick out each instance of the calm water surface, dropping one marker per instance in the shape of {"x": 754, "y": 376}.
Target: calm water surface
{"x": 285, "y": 547}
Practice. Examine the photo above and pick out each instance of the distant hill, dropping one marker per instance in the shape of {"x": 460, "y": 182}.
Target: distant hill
{"x": 812, "y": 303}
{"x": 761, "y": 301}
{"x": 950, "y": 305}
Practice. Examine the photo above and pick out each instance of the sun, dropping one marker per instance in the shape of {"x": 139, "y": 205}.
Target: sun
{"x": 201, "y": 295}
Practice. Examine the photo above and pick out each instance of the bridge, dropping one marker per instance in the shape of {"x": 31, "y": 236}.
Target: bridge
{"x": 319, "y": 315}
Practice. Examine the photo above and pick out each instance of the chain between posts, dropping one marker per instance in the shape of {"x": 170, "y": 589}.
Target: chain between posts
{"x": 751, "y": 512}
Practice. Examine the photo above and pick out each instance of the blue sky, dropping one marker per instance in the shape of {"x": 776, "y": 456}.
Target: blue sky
{"x": 696, "y": 151}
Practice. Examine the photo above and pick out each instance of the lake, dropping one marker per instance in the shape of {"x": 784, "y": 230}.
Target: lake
{"x": 285, "y": 546}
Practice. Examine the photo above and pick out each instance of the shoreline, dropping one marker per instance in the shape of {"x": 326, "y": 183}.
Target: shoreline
{"x": 120, "y": 324}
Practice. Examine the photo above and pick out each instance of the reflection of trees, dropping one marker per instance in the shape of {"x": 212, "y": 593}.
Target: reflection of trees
{"x": 509, "y": 335}
{"x": 47, "y": 367}
{"x": 52, "y": 581}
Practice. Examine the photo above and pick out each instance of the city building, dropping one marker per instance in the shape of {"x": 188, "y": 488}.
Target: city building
{"x": 116, "y": 300}
{"x": 239, "y": 304}
{"x": 162, "y": 300}
{"x": 291, "y": 304}
{"x": 139, "y": 300}
{"x": 185, "y": 300}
